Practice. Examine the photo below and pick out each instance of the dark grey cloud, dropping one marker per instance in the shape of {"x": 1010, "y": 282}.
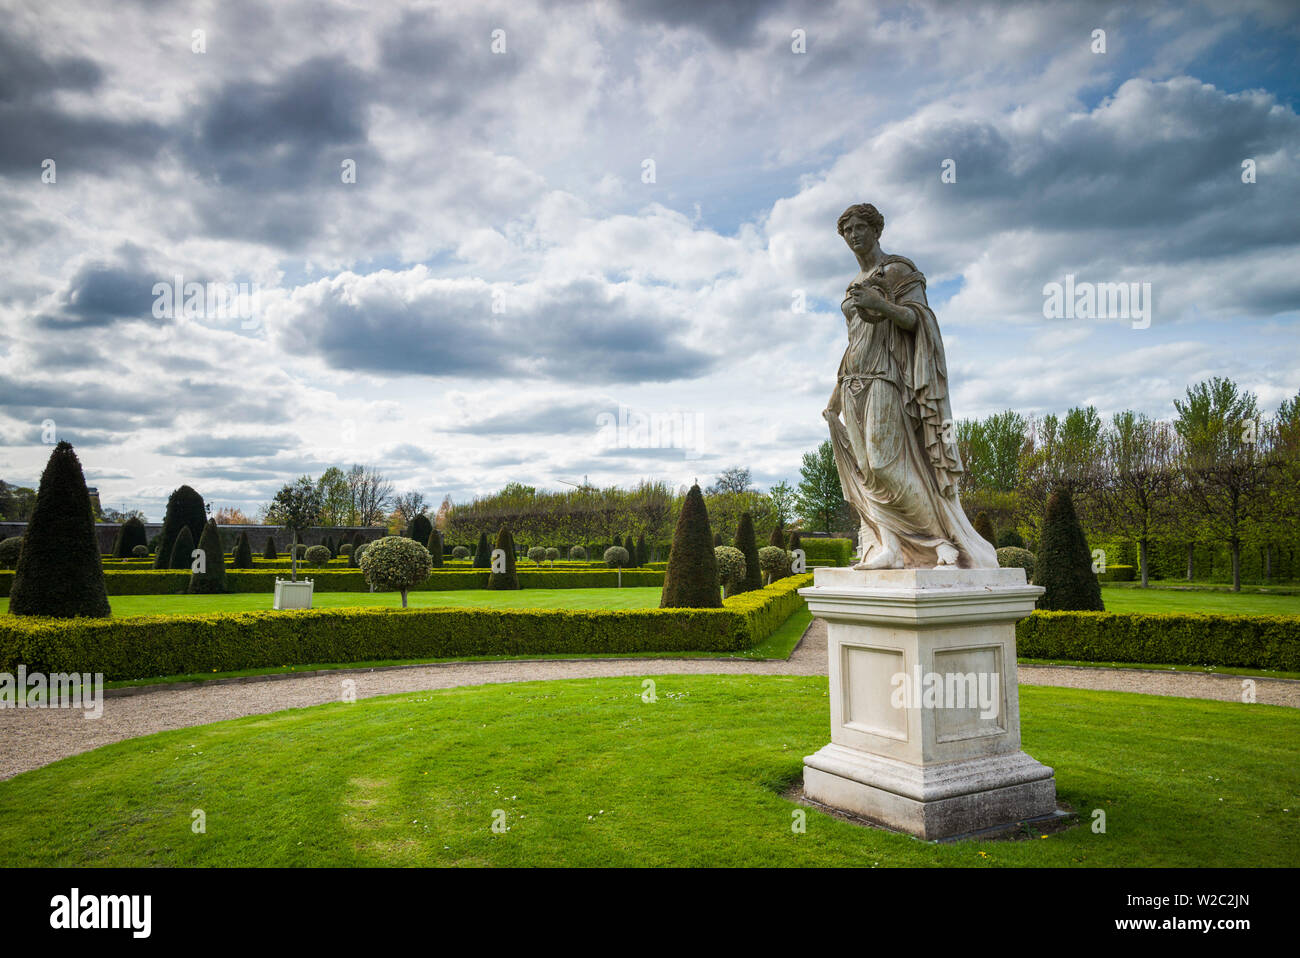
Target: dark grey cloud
{"x": 728, "y": 23}
{"x": 549, "y": 418}
{"x": 230, "y": 447}
{"x": 36, "y": 127}
{"x": 583, "y": 331}
{"x": 103, "y": 293}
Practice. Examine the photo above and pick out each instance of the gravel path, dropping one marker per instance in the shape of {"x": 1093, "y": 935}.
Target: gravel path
{"x": 30, "y": 738}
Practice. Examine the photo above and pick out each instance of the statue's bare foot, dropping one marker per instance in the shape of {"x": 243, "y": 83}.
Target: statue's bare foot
{"x": 883, "y": 559}
{"x": 947, "y": 556}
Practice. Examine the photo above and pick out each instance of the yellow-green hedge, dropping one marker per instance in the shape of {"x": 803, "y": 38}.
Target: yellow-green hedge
{"x": 144, "y": 647}
{"x": 172, "y": 582}
{"x": 1250, "y": 641}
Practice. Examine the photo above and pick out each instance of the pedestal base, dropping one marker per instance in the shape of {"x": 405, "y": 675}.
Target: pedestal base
{"x": 924, "y": 700}
{"x": 934, "y": 801}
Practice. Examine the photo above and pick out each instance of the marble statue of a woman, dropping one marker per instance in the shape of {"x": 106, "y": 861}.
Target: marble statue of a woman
{"x": 895, "y": 446}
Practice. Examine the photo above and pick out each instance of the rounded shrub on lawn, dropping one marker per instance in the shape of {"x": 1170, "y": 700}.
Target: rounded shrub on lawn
{"x": 10, "y": 549}
{"x": 140, "y": 552}
{"x": 318, "y": 556}
{"x": 552, "y": 555}
{"x": 577, "y": 552}
{"x": 1010, "y": 557}
{"x": 537, "y": 554}
{"x": 731, "y": 568}
{"x": 460, "y": 552}
{"x": 774, "y": 561}
{"x": 616, "y": 557}
{"x": 395, "y": 563}
{"x": 345, "y": 549}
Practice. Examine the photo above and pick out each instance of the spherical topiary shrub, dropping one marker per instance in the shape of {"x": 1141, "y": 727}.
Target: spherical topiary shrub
{"x": 616, "y": 557}
{"x": 345, "y": 549}
{"x": 301, "y": 550}
{"x": 10, "y": 548}
{"x": 317, "y": 556}
{"x": 774, "y": 561}
{"x": 395, "y": 562}
{"x": 577, "y": 552}
{"x": 1010, "y": 557}
{"x": 460, "y": 552}
{"x": 552, "y": 554}
{"x": 358, "y": 552}
{"x": 732, "y": 568}
{"x": 140, "y": 552}
{"x": 537, "y": 554}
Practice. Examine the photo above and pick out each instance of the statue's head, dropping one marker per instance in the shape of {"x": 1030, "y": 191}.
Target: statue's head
{"x": 861, "y": 225}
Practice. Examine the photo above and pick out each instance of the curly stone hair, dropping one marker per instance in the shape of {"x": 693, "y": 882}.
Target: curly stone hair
{"x": 865, "y": 210}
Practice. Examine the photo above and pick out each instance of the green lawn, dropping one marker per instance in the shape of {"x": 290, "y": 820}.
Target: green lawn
{"x": 1122, "y": 599}
{"x": 586, "y": 773}
{"x": 629, "y": 598}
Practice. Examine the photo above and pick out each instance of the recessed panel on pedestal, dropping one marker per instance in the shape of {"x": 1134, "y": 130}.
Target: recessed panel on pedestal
{"x": 867, "y": 688}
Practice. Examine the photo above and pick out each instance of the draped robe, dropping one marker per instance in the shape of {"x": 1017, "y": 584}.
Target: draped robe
{"x": 895, "y": 449}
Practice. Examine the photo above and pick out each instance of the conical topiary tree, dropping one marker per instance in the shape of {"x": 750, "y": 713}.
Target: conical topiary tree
{"x": 129, "y": 535}
{"x": 642, "y": 553}
{"x": 182, "y": 556}
{"x": 243, "y": 556}
{"x": 691, "y": 580}
{"x": 508, "y": 579}
{"x": 747, "y": 543}
{"x": 212, "y": 580}
{"x": 984, "y": 526}
{"x": 270, "y": 552}
{"x": 329, "y": 544}
{"x": 483, "y": 553}
{"x": 435, "y": 548}
{"x": 59, "y": 572}
{"x": 419, "y": 529}
{"x": 1063, "y": 565}
{"x": 184, "y": 508}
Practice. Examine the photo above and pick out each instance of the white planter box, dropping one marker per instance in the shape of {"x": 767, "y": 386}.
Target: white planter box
{"x": 293, "y": 595}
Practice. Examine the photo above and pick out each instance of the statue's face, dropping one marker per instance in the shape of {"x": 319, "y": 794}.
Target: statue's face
{"x": 859, "y": 234}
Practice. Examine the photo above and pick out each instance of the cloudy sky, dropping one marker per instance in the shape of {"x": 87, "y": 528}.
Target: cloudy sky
{"x": 484, "y": 234}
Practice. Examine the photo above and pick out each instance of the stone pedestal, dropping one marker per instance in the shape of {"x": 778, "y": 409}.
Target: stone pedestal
{"x": 925, "y": 707}
{"x": 293, "y": 595}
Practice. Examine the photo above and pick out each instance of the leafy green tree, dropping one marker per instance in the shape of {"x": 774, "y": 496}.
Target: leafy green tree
{"x": 819, "y": 498}
{"x": 59, "y": 572}
{"x": 396, "y": 563}
{"x": 691, "y": 580}
{"x": 732, "y": 569}
{"x": 297, "y": 507}
{"x": 784, "y": 503}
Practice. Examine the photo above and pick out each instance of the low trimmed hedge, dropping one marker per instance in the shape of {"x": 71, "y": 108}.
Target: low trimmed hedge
{"x": 1118, "y": 573}
{"x": 837, "y": 552}
{"x": 343, "y": 579}
{"x": 1249, "y": 641}
{"x": 149, "y": 646}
